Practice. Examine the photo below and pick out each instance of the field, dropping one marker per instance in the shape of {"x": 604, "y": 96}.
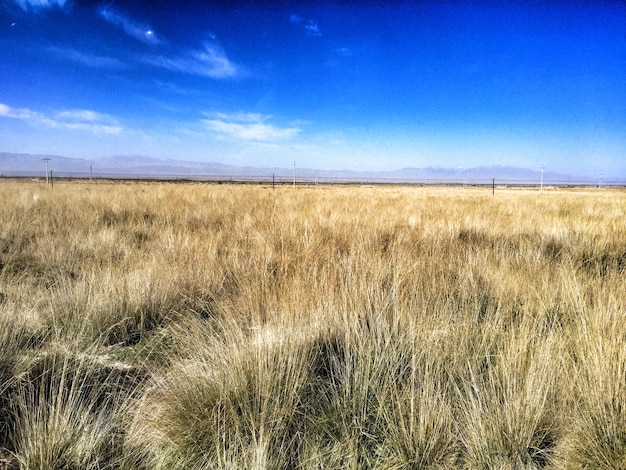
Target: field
{"x": 170, "y": 326}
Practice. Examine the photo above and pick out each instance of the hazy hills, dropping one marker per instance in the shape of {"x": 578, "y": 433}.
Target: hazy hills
{"x": 18, "y": 164}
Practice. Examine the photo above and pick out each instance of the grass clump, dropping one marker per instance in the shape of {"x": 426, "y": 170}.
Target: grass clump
{"x": 66, "y": 410}
{"x": 511, "y": 420}
{"x": 234, "y": 402}
{"x": 598, "y": 438}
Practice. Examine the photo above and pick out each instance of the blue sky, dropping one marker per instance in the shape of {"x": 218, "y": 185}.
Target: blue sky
{"x": 330, "y": 85}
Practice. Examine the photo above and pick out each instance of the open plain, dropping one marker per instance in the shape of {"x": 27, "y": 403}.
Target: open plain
{"x": 169, "y": 326}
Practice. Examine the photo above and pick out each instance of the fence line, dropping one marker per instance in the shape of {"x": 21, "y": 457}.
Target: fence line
{"x": 315, "y": 179}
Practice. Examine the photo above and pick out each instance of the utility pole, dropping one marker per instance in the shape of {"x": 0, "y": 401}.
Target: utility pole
{"x": 46, "y": 160}
{"x": 90, "y": 171}
{"x": 543, "y": 167}
{"x": 294, "y": 175}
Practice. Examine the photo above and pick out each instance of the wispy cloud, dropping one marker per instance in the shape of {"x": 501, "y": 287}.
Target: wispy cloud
{"x": 77, "y": 119}
{"x": 27, "y": 5}
{"x": 210, "y": 61}
{"x": 14, "y": 113}
{"x": 344, "y": 51}
{"x": 248, "y": 127}
{"x": 90, "y": 60}
{"x": 310, "y": 26}
{"x": 139, "y": 31}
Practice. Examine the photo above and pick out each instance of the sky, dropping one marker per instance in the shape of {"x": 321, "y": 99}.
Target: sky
{"x": 330, "y": 85}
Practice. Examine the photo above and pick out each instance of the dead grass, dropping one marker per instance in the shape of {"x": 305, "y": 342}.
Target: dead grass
{"x": 193, "y": 326}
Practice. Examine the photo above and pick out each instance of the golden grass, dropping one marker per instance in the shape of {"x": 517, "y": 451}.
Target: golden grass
{"x": 204, "y": 326}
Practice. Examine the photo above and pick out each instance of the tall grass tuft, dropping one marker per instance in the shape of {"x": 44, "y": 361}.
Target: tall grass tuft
{"x": 510, "y": 415}
{"x": 234, "y": 401}
{"x": 598, "y": 438}
{"x": 66, "y": 412}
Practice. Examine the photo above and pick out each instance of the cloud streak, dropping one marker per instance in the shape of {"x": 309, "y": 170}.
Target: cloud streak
{"x": 248, "y": 127}
{"x": 210, "y": 61}
{"x": 27, "y": 5}
{"x": 90, "y": 60}
{"x": 78, "y": 119}
{"x": 139, "y": 31}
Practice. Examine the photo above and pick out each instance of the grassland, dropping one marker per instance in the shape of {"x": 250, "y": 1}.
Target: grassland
{"x": 164, "y": 326}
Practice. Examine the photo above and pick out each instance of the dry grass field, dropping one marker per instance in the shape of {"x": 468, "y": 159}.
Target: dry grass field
{"x": 171, "y": 326}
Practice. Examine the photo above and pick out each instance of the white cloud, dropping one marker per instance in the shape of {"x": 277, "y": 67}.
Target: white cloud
{"x": 87, "y": 120}
{"x": 248, "y": 127}
{"x": 89, "y": 60}
{"x": 39, "y": 4}
{"x": 139, "y": 31}
{"x": 295, "y": 19}
{"x": 240, "y": 117}
{"x": 211, "y": 61}
{"x": 79, "y": 119}
{"x": 14, "y": 113}
{"x": 310, "y": 26}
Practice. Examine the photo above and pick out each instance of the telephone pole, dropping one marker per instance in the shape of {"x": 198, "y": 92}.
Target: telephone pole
{"x": 46, "y": 160}
{"x": 294, "y": 175}
{"x": 543, "y": 167}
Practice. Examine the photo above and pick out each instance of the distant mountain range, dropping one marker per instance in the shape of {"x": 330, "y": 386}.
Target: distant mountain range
{"x": 20, "y": 164}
